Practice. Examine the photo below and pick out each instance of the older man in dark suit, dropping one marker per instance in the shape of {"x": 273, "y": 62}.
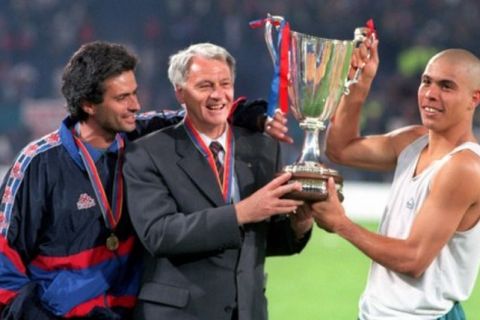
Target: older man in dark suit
{"x": 203, "y": 202}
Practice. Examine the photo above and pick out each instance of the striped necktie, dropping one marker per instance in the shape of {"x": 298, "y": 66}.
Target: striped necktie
{"x": 216, "y": 148}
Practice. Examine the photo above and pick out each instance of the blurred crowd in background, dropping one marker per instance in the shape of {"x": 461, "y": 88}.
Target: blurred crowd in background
{"x": 38, "y": 36}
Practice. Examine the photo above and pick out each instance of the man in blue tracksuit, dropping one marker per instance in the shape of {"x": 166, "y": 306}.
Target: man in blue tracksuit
{"x": 67, "y": 249}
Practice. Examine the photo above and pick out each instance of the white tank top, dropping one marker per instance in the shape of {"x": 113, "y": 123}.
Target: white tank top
{"x": 451, "y": 276}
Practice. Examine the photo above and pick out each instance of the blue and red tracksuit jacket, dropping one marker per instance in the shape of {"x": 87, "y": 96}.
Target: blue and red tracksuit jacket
{"x": 53, "y": 259}
{"x": 52, "y": 232}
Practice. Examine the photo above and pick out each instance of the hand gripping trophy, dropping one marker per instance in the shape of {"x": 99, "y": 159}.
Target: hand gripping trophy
{"x": 310, "y": 76}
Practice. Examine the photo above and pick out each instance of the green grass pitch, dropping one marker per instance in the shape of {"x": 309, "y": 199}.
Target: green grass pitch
{"x": 325, "y": 281}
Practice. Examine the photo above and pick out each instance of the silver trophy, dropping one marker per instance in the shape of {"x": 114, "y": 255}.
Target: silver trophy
{"x": 317, "y": 78}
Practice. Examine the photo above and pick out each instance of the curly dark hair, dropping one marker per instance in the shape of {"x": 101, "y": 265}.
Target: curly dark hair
{"x": 84, "y": 76}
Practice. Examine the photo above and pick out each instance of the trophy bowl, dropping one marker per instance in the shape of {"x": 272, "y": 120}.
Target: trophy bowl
{"x": 317, "y": 78}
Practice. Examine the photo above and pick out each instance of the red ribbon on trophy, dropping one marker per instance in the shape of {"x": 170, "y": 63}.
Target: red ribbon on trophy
{"x": 278, "y": 98}
{"x": 371, "y": 27}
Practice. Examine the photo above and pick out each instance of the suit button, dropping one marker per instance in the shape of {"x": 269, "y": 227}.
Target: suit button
{"x": 228, "y": 309}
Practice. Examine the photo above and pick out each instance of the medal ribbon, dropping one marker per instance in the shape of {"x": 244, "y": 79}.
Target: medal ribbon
{"x": 278, "y": 96}
{"x": 110, "y": 215}
{"x": 228, "y": 164}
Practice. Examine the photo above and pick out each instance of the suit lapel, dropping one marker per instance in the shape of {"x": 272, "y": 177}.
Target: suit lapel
{"x": 196, "y": 167}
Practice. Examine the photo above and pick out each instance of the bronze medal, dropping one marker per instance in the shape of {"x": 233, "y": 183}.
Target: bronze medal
{"x": 112, "y": 242}
{"x": 111, "y": 215}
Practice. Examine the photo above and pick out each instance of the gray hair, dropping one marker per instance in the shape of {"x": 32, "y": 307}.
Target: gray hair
{"x": 179, "y": 63}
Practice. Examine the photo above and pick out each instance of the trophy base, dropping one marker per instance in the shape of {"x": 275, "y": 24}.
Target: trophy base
{"x": 313, "y": 177}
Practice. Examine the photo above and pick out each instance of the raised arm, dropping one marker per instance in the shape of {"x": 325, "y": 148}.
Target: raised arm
{"x": 344, "y": 144}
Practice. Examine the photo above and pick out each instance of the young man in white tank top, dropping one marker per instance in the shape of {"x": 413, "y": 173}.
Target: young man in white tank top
{"x": 426, "y": 254}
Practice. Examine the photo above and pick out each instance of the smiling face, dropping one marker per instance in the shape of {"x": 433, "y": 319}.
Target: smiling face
{"x": 116, "y": 113}
{"x": 207, "y": 95}
{"x": 447, "y": 95}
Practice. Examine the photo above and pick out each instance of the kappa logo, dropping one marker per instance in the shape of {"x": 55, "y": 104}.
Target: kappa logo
{"x": 3, "y": 221}
{"x": 85, "y": 202}
{"x": 7, "y": 196}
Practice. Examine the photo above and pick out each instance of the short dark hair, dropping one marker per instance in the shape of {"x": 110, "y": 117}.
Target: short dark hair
{"x": 84, "y": 76}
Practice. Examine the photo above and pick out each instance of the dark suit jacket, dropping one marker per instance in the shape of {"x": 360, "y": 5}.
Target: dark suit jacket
{"x": 199, "y": 264}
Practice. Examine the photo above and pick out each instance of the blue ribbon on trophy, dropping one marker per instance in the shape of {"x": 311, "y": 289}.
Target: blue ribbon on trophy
{"x": 278, "y": 97}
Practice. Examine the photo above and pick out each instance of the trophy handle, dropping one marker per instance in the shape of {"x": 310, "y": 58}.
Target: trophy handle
{"x": 278, "y": 100}
{"x": 272, "y": 21}
{"x": 360, "y": 35}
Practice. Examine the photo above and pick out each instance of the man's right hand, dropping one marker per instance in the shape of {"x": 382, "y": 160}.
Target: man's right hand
{"x": 267, "y": 201}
